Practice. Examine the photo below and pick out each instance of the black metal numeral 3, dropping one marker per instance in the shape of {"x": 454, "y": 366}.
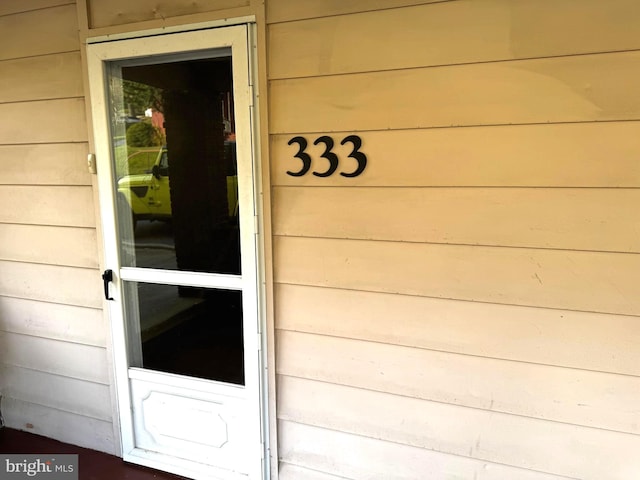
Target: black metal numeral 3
{"x": 329, "y": 155}
{"x": 360, "y": 157}
{"x": 306, "y": 159}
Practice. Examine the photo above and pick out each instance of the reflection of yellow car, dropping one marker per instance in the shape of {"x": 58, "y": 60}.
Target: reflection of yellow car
{"x": 147, "y": 194}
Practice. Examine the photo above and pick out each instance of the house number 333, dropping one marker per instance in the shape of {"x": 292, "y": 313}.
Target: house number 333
{"x": 331, "y": 157}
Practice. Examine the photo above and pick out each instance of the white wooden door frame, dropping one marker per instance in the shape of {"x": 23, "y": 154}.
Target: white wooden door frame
{"x": 198, "y": 43}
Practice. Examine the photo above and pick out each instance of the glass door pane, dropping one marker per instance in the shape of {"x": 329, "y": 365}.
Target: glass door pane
{"x": 190, "y": 331}
{"x": 176, "y": 190}
{"x": 174, "y": 147}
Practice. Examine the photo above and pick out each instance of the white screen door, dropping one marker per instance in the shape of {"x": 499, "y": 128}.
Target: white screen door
{"x": 172, "y": 121}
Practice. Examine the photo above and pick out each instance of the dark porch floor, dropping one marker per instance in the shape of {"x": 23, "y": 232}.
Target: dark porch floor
{"x": 93, "y": 465}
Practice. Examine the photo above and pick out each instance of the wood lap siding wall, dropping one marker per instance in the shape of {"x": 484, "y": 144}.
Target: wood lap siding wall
{"x": 468, "y": 306}
{"x": 54, "y": 378}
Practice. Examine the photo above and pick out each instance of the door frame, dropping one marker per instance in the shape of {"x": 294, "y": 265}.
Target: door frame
{"x": 191, "y": 38}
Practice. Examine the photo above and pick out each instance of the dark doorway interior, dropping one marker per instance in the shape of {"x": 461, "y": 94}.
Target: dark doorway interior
{"x": 206, "y": 341}
{"x": 185, "y": 218}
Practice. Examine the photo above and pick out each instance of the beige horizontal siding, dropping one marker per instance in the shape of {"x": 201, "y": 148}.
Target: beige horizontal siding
{"x": 587, "y": 453}
{"x": 57, "y": 392}
{"x": 516, "y": 276}
{"x": 577, "y": 219}
{"x": 443, "y": 33}
{"x": 43, "y": 205}
{"x": 457, "y": 332}
{"x": 73, "y": 360}
{"x": 294, "y": 472}
{"x": 357, "y": 457}
{"x": 64, "y": 426}
{"x": 288, "y": 10}
{"x": 9, "y": 7}
{"x": 39, "y": 78}
{"x": 75, "y": 247}
{"x": 565, "y": 89}
{"x": 40, "y": 32}
{"x": 44, "y": 164}
{"x": 51, "y": 283}
{"x": 556, "y": 155}
{"x": 119, "y": 12}
{"x": 580, "y": 397}
{"x": 54, "y": 368}
{"x": 46, "y": 121}
{"x": 526, "y": 334}
{"x": 53, "y": 320}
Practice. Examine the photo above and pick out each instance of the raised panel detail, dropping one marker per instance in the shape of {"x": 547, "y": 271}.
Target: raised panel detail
{"x": 201, "y": 423}
{"x": 170, "y": 418}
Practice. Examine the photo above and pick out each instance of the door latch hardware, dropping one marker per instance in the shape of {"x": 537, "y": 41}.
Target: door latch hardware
{"x": 107, "y": 277}
{"x": 91, "y": 163}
